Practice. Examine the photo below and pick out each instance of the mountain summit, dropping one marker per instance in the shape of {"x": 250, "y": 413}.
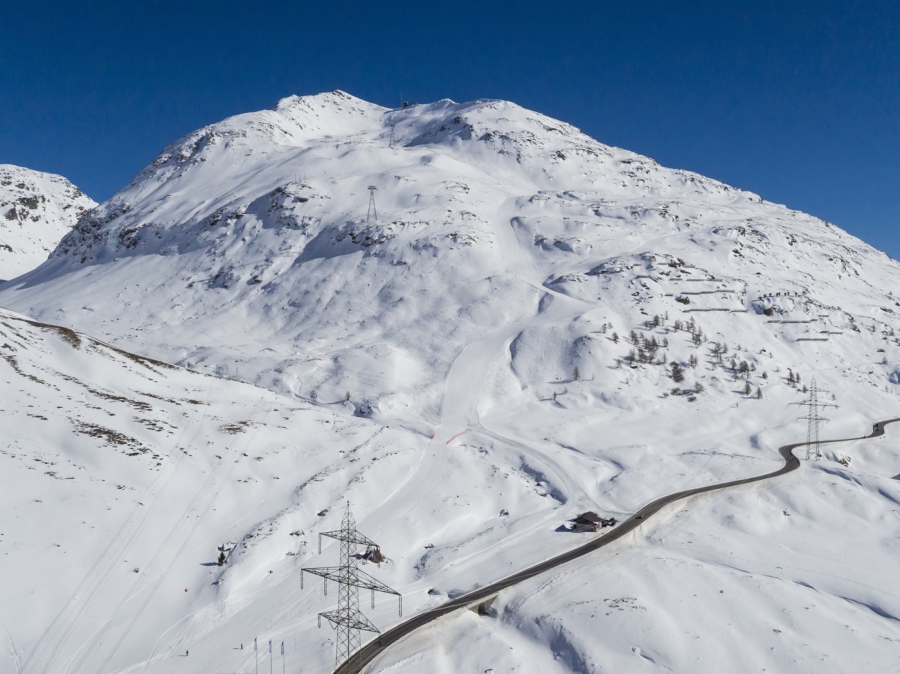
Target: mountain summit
{"x": 36, "y": 210}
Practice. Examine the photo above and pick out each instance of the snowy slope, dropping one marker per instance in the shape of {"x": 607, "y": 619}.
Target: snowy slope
{"x": 509, "y": 250}
{"x": 122, "y": 478}
{"x": 37, "y": 210}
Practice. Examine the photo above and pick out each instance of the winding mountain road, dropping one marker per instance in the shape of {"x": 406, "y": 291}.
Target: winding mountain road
{"x": 367, "y": 653}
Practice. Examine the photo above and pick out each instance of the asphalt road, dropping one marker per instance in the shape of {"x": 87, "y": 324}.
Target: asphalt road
{"x": 368, "y": 652}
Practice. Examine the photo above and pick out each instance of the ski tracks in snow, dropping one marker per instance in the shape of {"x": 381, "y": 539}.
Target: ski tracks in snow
{"x": 13, "y": 650}
{"x": 195, "y": 511}
{"x": 68, "y": 619}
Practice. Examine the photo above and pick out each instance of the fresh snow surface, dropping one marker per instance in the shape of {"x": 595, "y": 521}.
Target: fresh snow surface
{"x": 36, "y": 210}
{"x": 421, "y": 363}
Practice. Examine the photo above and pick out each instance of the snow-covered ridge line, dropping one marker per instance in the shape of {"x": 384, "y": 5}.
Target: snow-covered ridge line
{"x": 36, "y": 210}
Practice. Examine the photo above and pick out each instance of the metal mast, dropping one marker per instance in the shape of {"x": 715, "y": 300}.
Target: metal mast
{"x": 812, "y": 424}
{"x": 813, "y": 419}
{"x": 371, "y": 212}
{"x": 392, "y": 141}
{"x": 347, "y": 620}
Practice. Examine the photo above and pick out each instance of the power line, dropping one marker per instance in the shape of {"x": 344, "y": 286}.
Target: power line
{"x": 347, "y": 620}
{"x": 813, "y": 419}
{"x": 371, "y": 212}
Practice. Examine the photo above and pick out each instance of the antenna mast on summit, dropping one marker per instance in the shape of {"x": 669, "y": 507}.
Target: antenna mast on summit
{"x": 371, "y": 212}
{"x": 813, "y": 420}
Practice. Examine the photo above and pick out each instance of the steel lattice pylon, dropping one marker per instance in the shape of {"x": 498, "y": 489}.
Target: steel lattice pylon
{"x": 347, "y": 620}
{"x": 372, "y": 212}
{"x": 813, "y": 420}
{"x": 812, "y": 425}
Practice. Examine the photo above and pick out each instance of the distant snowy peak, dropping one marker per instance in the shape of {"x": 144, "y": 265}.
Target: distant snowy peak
{"x": 36, "y": 211}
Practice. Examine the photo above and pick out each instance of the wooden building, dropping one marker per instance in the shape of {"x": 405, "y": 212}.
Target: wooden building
{"x": 591, "y": 521}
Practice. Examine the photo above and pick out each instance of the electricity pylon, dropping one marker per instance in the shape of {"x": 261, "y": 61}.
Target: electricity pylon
{"x": 347, "y": 620}
{"x": 371, "y": 212}
{"x": 813, "y": 420}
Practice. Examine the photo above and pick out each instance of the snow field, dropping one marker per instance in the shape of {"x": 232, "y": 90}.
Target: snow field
{"x": 509, "y": 250}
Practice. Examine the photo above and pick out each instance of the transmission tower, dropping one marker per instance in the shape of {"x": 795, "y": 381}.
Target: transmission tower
{"x": 813, "y": 419}
{"x": 371, "y": 212}
{"x": 347, "y": 620}
{"x": 392, "y": 141}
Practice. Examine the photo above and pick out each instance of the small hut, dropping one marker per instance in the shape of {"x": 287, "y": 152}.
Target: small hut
{"x": 591, "y": 521}
{"x": 373, "y": 554}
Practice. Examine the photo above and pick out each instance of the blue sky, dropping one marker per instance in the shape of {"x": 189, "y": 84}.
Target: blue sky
{"x": 798, "y": 101}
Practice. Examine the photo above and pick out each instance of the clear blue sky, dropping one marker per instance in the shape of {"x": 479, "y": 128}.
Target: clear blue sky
{"x": 798, "y": 101}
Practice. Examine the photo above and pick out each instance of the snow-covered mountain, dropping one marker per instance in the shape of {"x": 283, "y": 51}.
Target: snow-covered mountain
{"x": 506, "y": 322}
{"x": 37, "y": 210}
{"x": 484, "y": 212}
